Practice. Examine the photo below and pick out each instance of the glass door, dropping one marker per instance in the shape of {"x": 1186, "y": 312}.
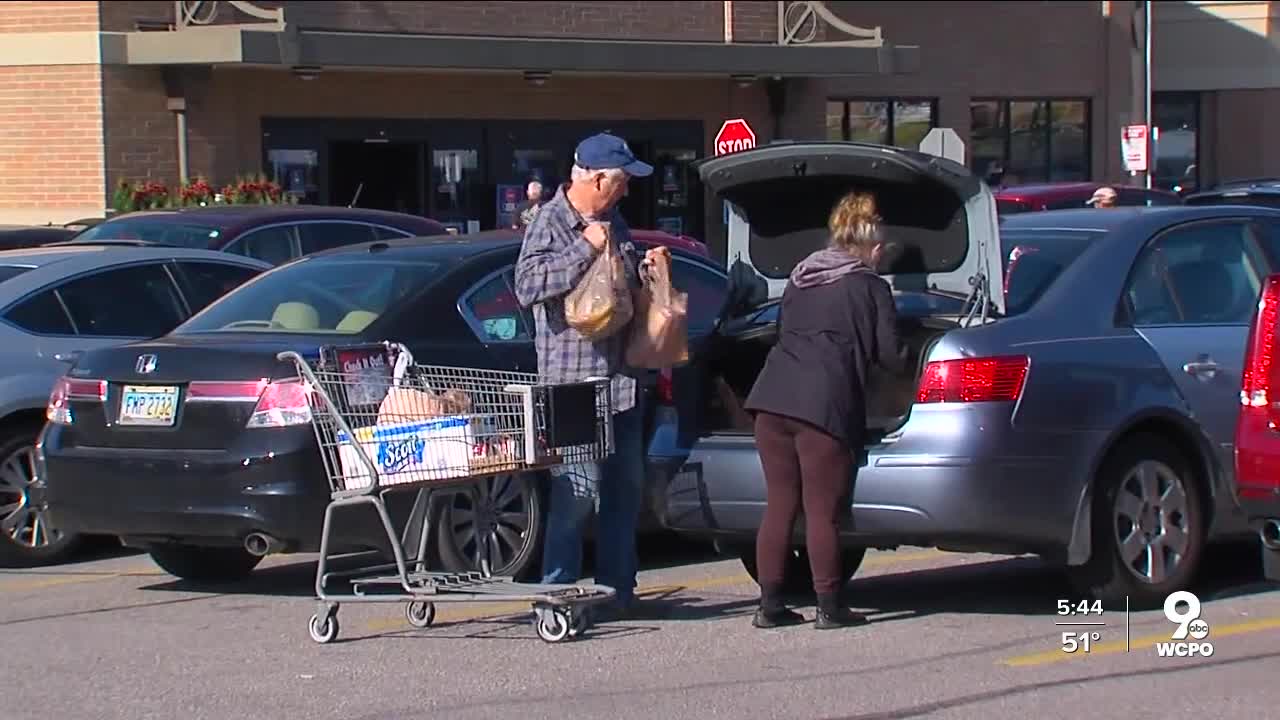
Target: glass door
{"x": 677, "y": 208}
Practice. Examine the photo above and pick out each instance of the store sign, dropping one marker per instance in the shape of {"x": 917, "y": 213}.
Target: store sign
{"x": 734, "y": 136}
{"x": 1133, "y": 143}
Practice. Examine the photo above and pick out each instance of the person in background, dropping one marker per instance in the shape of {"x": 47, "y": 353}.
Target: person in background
{"x": 837, "y": 317}
{"x": 561, "y": 242}
{"x": 533, "y": 196}
{"x": 1103, "y": 197}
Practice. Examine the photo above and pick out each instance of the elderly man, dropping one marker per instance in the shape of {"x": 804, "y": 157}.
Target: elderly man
{"x": 567, "y": 234}
{"x": 533, "y": 196}
{"x": 1103, "y": 197}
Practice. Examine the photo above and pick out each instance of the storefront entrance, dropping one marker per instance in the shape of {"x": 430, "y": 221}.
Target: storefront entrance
{"x": 472, "y": 174}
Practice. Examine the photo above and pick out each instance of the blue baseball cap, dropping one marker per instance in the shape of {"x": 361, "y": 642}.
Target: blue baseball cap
{"x": 606, "y": 152}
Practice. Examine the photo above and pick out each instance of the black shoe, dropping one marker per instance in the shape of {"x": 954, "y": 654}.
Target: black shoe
{"x": 841, "y": 617}
{"x": 772, "y": 612}
{"x": 833, "y": 614}
{"x": 780, "y": 617}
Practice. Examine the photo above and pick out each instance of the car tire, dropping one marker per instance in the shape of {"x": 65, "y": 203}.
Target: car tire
{"x": 1143, "y": 551}
{"x": 204, "y": 564}
{"x": 798, "y": 576}
{"x": 512, "y": 513}
{"x": 26, "y": 538}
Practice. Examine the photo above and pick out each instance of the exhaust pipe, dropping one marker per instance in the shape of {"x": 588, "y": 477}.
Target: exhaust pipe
{"x": 1271, "y": 534}
{"x": 261, "y": 544}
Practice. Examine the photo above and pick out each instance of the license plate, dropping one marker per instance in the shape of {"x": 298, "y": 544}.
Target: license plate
{"x": 149, "y": 405}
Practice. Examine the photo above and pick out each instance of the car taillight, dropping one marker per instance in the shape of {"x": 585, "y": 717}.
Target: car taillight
{"x": 66, "y": 389}
{"x": 970, "y": 380}
{"x": 283, "y": 403}
{"x": 226, "y": 391}
{"x": 666, "y": 387}
{"x": 1257, "y": 440}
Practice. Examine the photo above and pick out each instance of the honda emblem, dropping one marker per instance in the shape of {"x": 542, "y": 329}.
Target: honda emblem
{"x": 145, "y": 364}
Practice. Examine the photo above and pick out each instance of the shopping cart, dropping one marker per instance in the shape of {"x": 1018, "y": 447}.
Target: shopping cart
{"x": 385, "y": 424}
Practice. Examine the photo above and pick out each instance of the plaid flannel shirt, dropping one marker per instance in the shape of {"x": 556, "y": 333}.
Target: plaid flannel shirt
{"x": 553, "y": 259}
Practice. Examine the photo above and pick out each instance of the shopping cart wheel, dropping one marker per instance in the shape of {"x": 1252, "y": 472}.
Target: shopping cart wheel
{"x": 420, "y": 614}
{"x": 324, "y": 628}
{"x": 553, "y": 624}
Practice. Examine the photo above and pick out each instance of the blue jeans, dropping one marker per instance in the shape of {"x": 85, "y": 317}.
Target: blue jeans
{"x": 617, "y": 483}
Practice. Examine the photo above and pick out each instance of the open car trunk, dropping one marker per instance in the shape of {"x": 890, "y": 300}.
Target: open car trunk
{"x": 942, "y": 257}
{"x": 737, "y": 357}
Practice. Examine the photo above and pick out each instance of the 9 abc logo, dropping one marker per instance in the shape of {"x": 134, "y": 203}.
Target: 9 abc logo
{"x": 1189, "y": 623}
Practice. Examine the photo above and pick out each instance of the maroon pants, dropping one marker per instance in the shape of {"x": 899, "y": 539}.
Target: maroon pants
{"x": 802, "y": 464}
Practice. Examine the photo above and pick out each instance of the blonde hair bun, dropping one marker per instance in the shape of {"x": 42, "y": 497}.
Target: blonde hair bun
{"x": 855, "y": 225}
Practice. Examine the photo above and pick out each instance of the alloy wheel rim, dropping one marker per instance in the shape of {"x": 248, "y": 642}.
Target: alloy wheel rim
{"x": 22, "y": 522}
{"x": 492, "y": 525}
{"x": 1152, "y": 526}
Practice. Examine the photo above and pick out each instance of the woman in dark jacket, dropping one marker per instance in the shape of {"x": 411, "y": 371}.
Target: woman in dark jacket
{"x": 837, "y": 317}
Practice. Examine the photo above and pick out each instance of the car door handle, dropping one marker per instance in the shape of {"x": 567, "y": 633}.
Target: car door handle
{"x": 1204, "y": 367}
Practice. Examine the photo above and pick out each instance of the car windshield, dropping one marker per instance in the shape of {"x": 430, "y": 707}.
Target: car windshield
{"x": 155, "y": 231}
{"x": 1033, "y": 260}
{"x": 338, "y": 295}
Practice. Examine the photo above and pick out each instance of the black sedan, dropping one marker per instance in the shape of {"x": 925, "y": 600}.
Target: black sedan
{"x": 230, "y": 461}
{"x": 272, "y": 233}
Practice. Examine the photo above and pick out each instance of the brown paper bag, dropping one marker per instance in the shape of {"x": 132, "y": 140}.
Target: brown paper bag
{"x": 660, "y": 335}
{"x": 601, "y": 303}
{"x": 404, "y": 404}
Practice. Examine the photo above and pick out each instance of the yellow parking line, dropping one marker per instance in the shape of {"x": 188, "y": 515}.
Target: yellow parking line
{"x": 1145, "y": 642}
{"x": 480, "y": 611}
{"x": 42, "y": 581}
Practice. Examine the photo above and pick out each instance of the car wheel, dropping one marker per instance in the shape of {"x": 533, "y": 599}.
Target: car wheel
{"x": 204, "y": 564}
{"x": 1148, "y": 526}
{"x": 798, "y": 576}
{"x": 501, "y": 523}
{"x": 26, "y": 537}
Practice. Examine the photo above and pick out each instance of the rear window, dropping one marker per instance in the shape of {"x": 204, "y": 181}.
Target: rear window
{"x": 1011, "y": 207}
{"x": 1033, "y": 260}
{"x": 341, "y": 296}
{"x": 8, "y": 272}
{"x": 167, "y": 233}
{"x": 1256, "y": 199}
{"x": 925, "y": 223}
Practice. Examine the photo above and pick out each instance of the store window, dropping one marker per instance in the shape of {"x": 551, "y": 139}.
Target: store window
{"x": 1036, "y": 140}
{"x": 901, "y": 122}
{"x": 1176, "y": 138}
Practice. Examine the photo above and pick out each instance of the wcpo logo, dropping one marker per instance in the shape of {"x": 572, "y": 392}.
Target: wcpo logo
{"x": 1190, "y": 625}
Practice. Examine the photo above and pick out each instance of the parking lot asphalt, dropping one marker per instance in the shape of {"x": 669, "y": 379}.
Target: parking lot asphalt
{"x": 953, "y": 636}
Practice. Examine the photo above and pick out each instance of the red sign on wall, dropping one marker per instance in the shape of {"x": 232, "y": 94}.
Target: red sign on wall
{"x": 734, "y": 136}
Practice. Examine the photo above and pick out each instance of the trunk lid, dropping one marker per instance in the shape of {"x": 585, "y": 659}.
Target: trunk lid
{"x": 940, "y": 220}
{"x": 226, "y": 364}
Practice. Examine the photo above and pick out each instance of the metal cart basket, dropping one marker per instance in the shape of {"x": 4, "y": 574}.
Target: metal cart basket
{"x": 385, "y": 424}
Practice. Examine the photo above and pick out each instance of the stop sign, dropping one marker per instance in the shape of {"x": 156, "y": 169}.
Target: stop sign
{"x": 735, "y": 136}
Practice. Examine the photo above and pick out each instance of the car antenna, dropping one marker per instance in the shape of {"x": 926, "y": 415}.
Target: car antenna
{"x": 356, "y": 197}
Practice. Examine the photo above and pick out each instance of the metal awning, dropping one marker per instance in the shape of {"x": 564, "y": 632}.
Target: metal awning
{"x": 292, "y": 47}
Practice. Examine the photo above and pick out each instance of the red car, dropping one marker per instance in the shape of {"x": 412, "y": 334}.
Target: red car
{"x": 1257, "y": 436}
{"x": 1073, "y": 195}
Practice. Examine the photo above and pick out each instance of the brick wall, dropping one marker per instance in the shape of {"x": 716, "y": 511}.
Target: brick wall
{"x": 50, "y": 122}
{"x": 630, "y": 20}
{"x": 755, "y": 22}
{"x": 46, "y": 16}
{"x": 1084, "y": 57}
